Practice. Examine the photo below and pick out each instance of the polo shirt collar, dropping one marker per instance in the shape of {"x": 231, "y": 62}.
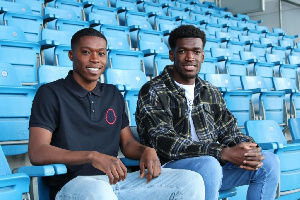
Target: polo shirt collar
{"x": 78, "y": 89}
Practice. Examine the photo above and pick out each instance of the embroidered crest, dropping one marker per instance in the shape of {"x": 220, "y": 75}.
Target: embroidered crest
{"x": 110, "y": 116}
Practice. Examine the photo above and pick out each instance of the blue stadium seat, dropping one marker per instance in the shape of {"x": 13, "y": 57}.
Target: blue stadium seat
{"x": 35, "y": 5}
{"x": 136, "y": 21}
{"x": 263, "y": 69}
{"x": 123, "y": 6}
{"x": 269, "y": 136}
{"x": 50, "y": 73}
{"x": 208, "y": 67}
{"x": 124, "y": 59}
{"x": 55, "y": 47}
{"x": 15, "y": 106}
{"x": 294, "y": 125}
{"x": 75, "y": 6}
{"x": 235, "y": 68}
{"x": 20, "y": 14}
{"x": 98, "y": 15}
{"x": 118, "y": 37}
{"x": 64, "y": 20}
{"x": 151, "y": 42}
{"x": 270, "y": 105}
{"x": 20, "y": 53}
{"x": 160, "y": 62}
{"x": 285, "y": 70}
{"x": 12, "y": 186}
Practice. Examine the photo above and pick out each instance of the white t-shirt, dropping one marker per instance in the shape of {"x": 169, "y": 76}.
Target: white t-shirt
{"x": 189, "y": 94}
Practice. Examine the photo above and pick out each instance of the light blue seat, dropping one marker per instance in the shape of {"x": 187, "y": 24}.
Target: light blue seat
{"x": 98, "y": 15}
{"x": 50, "y": 73}
{"x": 208, "y": 67}
{"x": 294, "y": 125}
{"x": 263, "y": 69}
{"x": 123, "y": 6}
{"x": 35, "y": 5}
{"x": 15, "y": 106}
{"x": 55, "y": 47}
{"x": 12, "y": 186}
{"x": 89, "y": 3}
{"x": 75, "y": 6}
{"x": 124, "y": 59}
{"x": 292, "y": 94}
{"x": 136, "y": 21}
{"x": 118, "y": 37}
{"x": 160, "y": 62}
{"x": 285, "y": 70}
{"x": 64, "y": 20}
{"x": 235, "y": 68}
{"x": 151, "y": 43}
{"x": 23, "y": 55}
{"x": 125, "y": 79}
{"x": 20, "y": 14}
{"x": 269, "y": 136}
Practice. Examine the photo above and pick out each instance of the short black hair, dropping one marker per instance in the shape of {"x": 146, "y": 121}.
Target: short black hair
{"x": 186, "y": 31}
{"x": 85, "y": 32}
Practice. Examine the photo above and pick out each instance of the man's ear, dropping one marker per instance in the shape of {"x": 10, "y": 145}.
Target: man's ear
{"x": 70, "y": 55}
{"x": 171, "y": 55}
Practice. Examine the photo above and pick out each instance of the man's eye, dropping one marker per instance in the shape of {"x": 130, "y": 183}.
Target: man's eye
{"x": 197, "y": 52}
{"x": 181, "y": 51}
{"x": 85, "y": 52}
{"x": 101, "y": 54}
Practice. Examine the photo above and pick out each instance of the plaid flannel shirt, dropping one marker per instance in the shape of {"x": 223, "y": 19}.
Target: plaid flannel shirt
{"x": 162, "y": 120}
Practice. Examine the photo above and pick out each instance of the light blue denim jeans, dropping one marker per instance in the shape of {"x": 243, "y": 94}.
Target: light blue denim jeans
{"x": 172, "y": 184}
{"x": 262, "y": 183}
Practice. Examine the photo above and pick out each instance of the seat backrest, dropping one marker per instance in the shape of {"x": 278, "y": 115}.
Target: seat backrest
{"x": 284, "y": 84}
{"x": 62, "y": 19}
{"x": 8, "y": 75}
{"x": 60, "y": 42}
{"x": 15, "y": 106}
{"x": 254, "y": 83}
{"x": 49, "y": 73}
{"x": 294, "y": 125}
{"x": 223, "y": 81}
{"x": 125, "y": 79}
{"x": 123, "y": 59}
{"x": 76, "y": 7}
{"x": 150, "y": 39}
{"x": 294, "y": 60}
{"x": 104, "y": 15}
{"x": 24, "y": 56}
{"x": 160, "y": 62}
{"x": 118, "y": 37}
{"x": 139, "y": 19}
{"x": 13, "y": 186}
{"x": 12, "y": 33}
{"x": 265, "y": 131}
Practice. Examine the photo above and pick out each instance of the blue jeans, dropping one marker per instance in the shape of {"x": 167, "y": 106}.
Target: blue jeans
{"x": 171, "y": 184}
{"x": 262, "y": 183}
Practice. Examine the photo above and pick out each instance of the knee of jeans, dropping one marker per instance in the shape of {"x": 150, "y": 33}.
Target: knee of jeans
{"x": 90, "y": 188}
{"x": 193, "y": 183}
{"x": 210, "y": 165}
{"x": 271, "y": 162}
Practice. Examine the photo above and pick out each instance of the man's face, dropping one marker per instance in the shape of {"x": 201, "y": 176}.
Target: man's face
{"x": 89, "y": 60}
{"x": 187, "y": 57}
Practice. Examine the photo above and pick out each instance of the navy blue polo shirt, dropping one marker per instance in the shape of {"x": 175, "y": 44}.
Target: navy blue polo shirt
{"x": 80, "y": 121}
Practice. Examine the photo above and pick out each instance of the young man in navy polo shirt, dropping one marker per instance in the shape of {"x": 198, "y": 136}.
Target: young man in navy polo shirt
{"x": 81, "y": 123}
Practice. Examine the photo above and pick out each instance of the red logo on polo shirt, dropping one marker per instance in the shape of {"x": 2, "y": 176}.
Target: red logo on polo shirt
{"x": 110, "y": 116}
